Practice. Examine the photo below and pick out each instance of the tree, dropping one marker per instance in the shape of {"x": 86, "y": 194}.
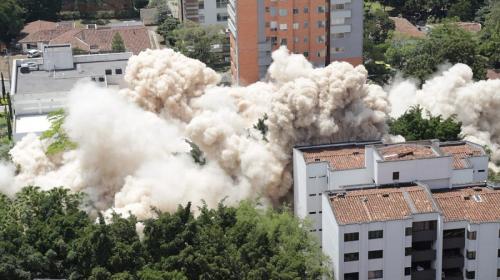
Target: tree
{"x": 11, "y": 20}
{"x": 58, "y": 138}
{"x": 262, "y": 127}
{"x": 166, "y": 29}
{"x": 204, "y": 43}
{"x": 447, "y": 43}
{"x": 41, "y": 9}
{"x": 117, "y": 45}
{"x": 412, "y": 126}
{"x": 465, "y": 10}
{"x": 139, "y": 4}
{"x": 490, "y": 35}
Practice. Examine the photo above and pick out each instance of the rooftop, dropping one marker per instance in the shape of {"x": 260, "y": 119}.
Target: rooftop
{"x": 405, "y": 27}
{"x": 340, "y": 158}
{"x": 383, "y": 204}
{"x": 405, "y": 151}
{"x": 38, "y": 25}
{"x": 474, "y": 204}
{"x": 460, "y": 152}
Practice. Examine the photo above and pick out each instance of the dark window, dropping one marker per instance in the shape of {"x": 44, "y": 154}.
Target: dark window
{"x": 118, "y": 71}
{"x": 312, "y": 213}
{"x": 353, "y": 236}
{"x": 481, "y": 170}
{"x": 498, "y": 253}
{"x": 395, "y": 175}
{"x": 498, "y": 272}
{"x": 101, "y": 79}
{"x": 408, "y": 231}
{"x": 306, "y": 54}
{"x": 407, "y": 270}
{"x": 108, "y": 71}
{"x": 306, "y": 10}
{"x": 375, "y": 274}
{"x": 470, "y": 274}
{"x": 295, "y": 11}
{"x": 424, "y": 226}
{"x": 471, "y": 235}
{"x": 407, "y": 251}
{"x": 350, "y": 257}
{"x": 351, "y": 276}
{"x": 471, "y": 255}
{"x": 375, "y": 254}
{"x": 375, "y": 234}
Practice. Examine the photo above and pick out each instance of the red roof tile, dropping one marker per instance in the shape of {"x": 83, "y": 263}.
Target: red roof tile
{"x": 460, "y": 153}
{"x": 339, "y": 158}
{"x": 405, "y": 151}
{"x": 38, "y": 25}
{"x": 403, "y": 26}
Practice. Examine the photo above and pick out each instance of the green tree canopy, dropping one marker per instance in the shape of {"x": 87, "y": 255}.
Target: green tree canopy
{"x": 41, "y": 9}
{"x": 11, "y": 20}
{"x": 117, "y": 45}
{"x": 166, "y": 29}
{"x": 413, "y": 126}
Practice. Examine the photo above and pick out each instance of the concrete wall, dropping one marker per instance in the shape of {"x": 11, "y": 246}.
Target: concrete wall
{"x": 300, "y": 195}
{"x": 480, "y": 164}
{"x": 428, "y": 170}
{"x": 461, "y": 176}
{"x": 210, "y": 11}
{"x": 340, "y": 178}
{"x": 352, "y": 42}
{"x": 486, "y": 246}
{"x": 331, "y": 241}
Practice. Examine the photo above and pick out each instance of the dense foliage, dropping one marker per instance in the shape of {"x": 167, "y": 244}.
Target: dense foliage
{"x": 46, "y": 234}
{"x": 117, "y": 44}
{"x": 413, "y": 126}
{"x": 11, "y": 20}
{"x": 56, "y": 136}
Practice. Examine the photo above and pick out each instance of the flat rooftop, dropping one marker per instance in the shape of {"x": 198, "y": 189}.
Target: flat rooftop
{"x": 42, "y": 81}
{"x": 405, "y": 151}
{"x": 382, "y": 204}
{"x": 477, "y": 204}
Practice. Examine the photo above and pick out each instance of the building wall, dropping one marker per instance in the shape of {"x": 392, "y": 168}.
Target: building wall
{"x": 346, "y": 31}
{"x": 428, "y": 170}
{"x": 210, "y": 12}
{"x": 300, "y": 195}
{"x": 480, "y": 164}
{"x": 339, "y": 178}
{"x": 486, "y": 246}
{"x": 461, "y": 176}
{"x": 330, "y": 245}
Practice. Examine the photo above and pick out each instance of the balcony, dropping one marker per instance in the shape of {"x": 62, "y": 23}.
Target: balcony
{"x": 454, "y": 261}
{"x": 453, "y": 274}
{"x": 453, "y": 242}
{"x": 423, "y": 255}
{"x": 427, "y": 274}
{"x": 424, "y": 235}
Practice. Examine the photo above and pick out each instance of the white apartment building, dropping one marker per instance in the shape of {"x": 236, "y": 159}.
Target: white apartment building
{"x": 411, "y": 210}
{"x": 205, "y": 12}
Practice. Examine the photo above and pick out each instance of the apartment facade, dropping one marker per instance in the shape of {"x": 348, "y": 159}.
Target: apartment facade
{"x": 401, "y": 211}
{"x": 204, "y": 12}
{"x": 323, "y": 31}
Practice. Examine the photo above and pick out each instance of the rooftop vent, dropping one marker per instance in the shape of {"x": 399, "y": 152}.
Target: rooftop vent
{"x": 341, "y": 195}
{"x": 478, "y": 189}
{"x": 385, "y": 195}
{"x": 477, "y": 198}
{"x": 316, "y": 159}
{"x": 355, "y": 153}
{"x": 466, "y": 197}
{"x": 364, "y": 199}
{"x": 400, "y": 155}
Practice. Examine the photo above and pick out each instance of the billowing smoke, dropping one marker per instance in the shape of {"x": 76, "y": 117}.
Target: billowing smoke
{"x": 132, "y": 152}
{"x": 454, "y": 92}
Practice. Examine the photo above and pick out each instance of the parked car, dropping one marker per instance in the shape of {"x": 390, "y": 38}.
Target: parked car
{"x": 34, "y": 53}
{"x": 29, "y": 66}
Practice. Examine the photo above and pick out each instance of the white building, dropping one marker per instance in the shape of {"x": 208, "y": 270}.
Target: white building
{"x": 400, "y": 211}
{"x": 205, "y": 12}
{"x": 44, "y": 88}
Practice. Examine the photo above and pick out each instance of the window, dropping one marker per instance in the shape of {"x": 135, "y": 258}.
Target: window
{"x": 306, "y": 54}
{"x": 306, "y": 24}
{"x": 118, "y": 71}
{"x": 498, "y": 253}
{"x": 338, "y": 21}
{"x": 306, "y": 10}
{"x": 471, "y": 235}
{"x": 283, "y": 26}
{"x": 306, "y": 39}
{"x": 201, "y": 4}
{"x": 295, "y": 11}
{"x": 395, "y": 175}
{"x": 338, "y": 35}
{"x": 351, "y": 276}
{"x": 408, "y": 251}
{"x": 321, "y": 9}
{"x": 481, "y": 171}
{"x": 283, "y": 42}
{"x": 339, "y": 7}
{"x": 320, "y": 39}
{"x": 375, "y": 274}
{"x": 321, "y": 24}
{"x": 101, "y": 79}
{"x": 296, "y": 39}
{"x": 351, "y": 257}
{"x": 273, "y": 11}
{"x": 283, "y": 12}
{"x": 471, "y": 255}
{"x": 470, "y": 274}
{"x": 338, "y": 50}
{"x": 375, "y": 234}
{"x": 221, "y": 3}
{"x": 267, "y": 9}
{"x": 312, "y": 213}
{"x": 378, "y": 254}
{"x": 296, "y": 25}
{"x": 498, "y": 272}
{"x": 407, "y": 270}
{"x": 108, "y": 71}
{"x": 222, "y": 17}
{"x": 408, "y": 231}
{"x": 353, "y": 236}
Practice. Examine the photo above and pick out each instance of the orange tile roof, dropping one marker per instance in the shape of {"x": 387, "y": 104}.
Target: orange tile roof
{"x": 460, "y": 153}
{"x": 43, "y": 35}
{"x": 470, "y": 26}
{"x": 403, "y": 26}
{"x": 474, "y": 204}
{"x": 405, "y": 151}
{"x": 385, "y": 204}
{"x": 38, "y": 25}
{"x": 340, "y": 158}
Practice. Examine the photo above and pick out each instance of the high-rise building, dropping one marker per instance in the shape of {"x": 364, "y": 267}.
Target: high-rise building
{"x": 321, "y": 30}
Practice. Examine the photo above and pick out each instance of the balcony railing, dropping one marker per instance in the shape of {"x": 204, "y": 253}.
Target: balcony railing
{"x": 424, "y": 235}
{"x": 423, "y": 255}
{"x": 453, "y": 242}
{"x": 427, "y": 274}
